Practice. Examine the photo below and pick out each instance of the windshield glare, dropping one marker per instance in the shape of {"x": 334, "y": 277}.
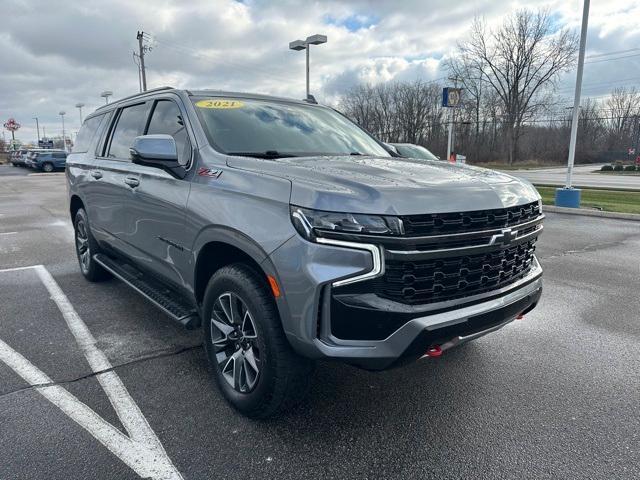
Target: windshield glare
{"x": 270, "y": 128}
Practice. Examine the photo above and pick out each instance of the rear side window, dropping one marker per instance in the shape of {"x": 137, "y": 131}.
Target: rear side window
{"x": 131, "y": 123}
{"x": 167, "y": 119}
{"x": 86, "y": 133}
{"x": 59, "y": 155}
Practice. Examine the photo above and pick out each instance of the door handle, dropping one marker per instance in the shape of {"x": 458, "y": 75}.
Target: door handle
{"x": 132, "y": 182}
{"x": 97, "y": 174}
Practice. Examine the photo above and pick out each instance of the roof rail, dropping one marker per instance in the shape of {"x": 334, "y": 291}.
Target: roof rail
{"x": 159, "y": 89}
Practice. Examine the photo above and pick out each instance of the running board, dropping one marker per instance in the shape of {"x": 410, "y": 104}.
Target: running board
{"x": 153, "y": 290}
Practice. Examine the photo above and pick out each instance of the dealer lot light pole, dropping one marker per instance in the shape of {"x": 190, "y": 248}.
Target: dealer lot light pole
{"x": 64, "y": 143}
{"x": 305, "y": 45}
{"x": 79, "y": 107}
{"x": 106, "y": 94}
{"x": 569, "y": 196}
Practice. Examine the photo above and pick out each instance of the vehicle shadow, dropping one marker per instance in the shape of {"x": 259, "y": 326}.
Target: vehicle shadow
{"x": 353, "y": 398}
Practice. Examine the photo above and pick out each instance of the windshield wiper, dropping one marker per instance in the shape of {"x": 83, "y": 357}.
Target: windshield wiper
{"x": 265, "y": 154}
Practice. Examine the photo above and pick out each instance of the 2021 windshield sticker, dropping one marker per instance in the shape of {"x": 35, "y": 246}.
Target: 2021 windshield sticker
{"x": 219, "y": 103}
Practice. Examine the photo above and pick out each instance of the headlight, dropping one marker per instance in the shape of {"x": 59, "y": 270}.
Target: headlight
{"x": 307, "y": 222}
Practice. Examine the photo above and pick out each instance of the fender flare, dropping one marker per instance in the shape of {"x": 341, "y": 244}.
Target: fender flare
{"x": 237, "y": 239}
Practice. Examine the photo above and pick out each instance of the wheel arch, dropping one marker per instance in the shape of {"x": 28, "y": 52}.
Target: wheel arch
{"x": 216, "y": 247}
{"x": 75, "y": 204}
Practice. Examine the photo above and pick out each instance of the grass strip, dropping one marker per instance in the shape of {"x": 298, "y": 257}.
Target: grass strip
{"x": 607, "y": 200}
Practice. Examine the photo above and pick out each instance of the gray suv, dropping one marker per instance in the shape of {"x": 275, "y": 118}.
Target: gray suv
{"x": 289, "y": 234}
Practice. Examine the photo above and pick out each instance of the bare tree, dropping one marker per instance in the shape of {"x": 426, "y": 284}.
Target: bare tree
{"x": 623, "y": 108}
{"x": 518, "y": 61}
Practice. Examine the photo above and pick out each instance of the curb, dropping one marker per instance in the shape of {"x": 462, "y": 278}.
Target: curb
{"x": 591, "y": 213}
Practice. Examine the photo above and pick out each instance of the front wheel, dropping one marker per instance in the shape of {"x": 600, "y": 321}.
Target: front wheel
{"x": 47, "y": 167}
{"x": 249, "y": 356}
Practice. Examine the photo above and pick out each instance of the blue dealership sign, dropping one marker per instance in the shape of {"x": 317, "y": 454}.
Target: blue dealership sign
{"x": 451, "y": 97}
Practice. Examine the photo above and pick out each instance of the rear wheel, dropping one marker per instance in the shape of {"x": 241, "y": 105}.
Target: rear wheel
{"x": 249, "y": 356}
{"x": 47, "y": 167}
{"x": 86, "y": 247}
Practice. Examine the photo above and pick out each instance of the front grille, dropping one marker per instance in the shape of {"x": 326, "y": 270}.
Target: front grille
{"x": 435, "y": 280}
{"x": 447, "y": 223}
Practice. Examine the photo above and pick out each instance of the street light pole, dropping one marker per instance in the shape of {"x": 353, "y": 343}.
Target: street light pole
{"x": 569, "y": 197}
{"x": 64, "y": 143}
{"x": 106, "y": 94}
{"x": 79, "y": 107}
{"x": 307, "y": 70}
{"x": 37, "y": 127}
{"x": 305, "y": 45}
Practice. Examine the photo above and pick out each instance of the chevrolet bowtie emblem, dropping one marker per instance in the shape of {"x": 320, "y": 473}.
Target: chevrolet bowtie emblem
{"x": 505, "y": 237}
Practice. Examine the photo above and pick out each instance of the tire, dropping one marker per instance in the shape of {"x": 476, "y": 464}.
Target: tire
{"x": 86, "y": 247}
{"x": 47, "y": 167}
{"x": 270, "y": 377}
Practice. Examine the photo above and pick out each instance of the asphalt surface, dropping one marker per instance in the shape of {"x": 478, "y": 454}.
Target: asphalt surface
{"x": 556, "y": 395}
{"x": 583, "y": 176}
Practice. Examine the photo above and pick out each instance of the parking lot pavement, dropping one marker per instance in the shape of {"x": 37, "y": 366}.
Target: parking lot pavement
{"x": 553, "y": 396}
{"x": 11, "y": 171}
{"x": 583, "y": 176}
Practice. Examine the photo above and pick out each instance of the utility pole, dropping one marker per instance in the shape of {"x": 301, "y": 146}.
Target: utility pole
{"x": 37, "y": 127}
{"x": 137, "y": 62}
{"x": 141, "y": 52}
{"x": 568, "y": 196}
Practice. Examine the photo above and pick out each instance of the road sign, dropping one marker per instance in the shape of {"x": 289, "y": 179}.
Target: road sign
{"x": 451, "y": 97}
{"x": 45, "y": 143}
{"x": 12, "y": 125}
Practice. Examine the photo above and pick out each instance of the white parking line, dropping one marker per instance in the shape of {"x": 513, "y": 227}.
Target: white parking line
{"x": 142, "y": 450}
{"x": 8, "y": 233}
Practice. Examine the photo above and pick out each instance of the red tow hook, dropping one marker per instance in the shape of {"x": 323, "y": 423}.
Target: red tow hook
{"x": 434, "y": 351}
{"x": 520, "y": 317}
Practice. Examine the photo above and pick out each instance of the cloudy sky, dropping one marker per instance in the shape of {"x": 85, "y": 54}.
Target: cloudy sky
{"x": 55, "y": 53}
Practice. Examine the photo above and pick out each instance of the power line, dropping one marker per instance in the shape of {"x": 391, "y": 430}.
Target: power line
{"x": 606, "y": 54}
{"x": 612, "y": 59}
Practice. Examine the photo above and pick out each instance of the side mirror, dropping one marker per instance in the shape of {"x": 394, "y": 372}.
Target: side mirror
{"x": 155, "y": 151}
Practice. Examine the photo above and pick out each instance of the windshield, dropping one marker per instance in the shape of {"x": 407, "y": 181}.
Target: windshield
{"x": 274, "y": 129}
{"x": 415, "y": 151}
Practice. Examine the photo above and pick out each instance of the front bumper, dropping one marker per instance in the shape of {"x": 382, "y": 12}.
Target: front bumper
{"x": 394, "y": 333}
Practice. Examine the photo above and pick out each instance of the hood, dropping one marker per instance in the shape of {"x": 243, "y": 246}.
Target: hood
{"x": 393, "y": 186}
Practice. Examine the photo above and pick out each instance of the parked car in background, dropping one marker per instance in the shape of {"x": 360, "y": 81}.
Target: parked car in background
{"x": 409, "y": 150}
{"x": 28, "y": 157}
{"x": 18, "y": 157}
{"x": 46, "y": 160}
